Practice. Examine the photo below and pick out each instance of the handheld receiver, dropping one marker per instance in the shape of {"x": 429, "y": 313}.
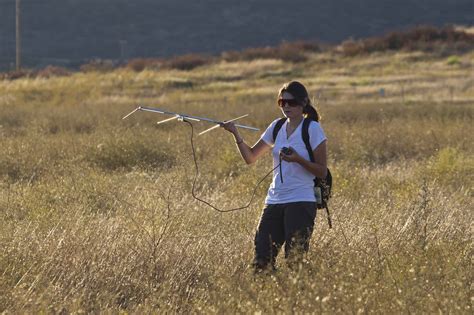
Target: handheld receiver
{"x": 286, "y": 151}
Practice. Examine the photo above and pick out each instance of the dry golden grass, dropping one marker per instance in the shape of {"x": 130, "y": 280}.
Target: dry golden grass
{"x": 96, "y": 213}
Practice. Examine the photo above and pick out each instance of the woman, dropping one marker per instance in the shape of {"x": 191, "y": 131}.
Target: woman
{"x": 290, "y": 206}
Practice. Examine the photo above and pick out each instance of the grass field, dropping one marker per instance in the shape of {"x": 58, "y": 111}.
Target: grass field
{"x": 96, "y": 213}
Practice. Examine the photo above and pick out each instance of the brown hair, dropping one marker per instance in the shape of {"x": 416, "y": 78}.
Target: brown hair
{"x": 300, "y": 93}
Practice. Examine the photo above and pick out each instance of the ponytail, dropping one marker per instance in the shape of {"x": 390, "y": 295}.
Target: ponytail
{"x": 310, "y": 112}
{"x": 300, "y": 93}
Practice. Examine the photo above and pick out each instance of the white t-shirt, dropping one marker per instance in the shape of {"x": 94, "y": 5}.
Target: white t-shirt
{"x": 297, "y": 181}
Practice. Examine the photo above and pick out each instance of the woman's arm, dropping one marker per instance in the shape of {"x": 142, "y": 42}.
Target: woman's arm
{"x": 249, "y": 154}
{"x": 318, "y": 168}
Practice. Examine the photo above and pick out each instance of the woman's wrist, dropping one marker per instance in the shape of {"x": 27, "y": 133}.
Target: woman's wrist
{"x": 238, "y": 138}
{"x": 300, "y": 160}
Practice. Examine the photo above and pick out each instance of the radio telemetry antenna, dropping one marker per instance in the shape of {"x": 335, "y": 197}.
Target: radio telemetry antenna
{"x": 187, "y": 119}
{"x": 183, "y": 117}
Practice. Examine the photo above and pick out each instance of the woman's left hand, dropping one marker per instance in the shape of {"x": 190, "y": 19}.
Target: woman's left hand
{"x": 293, "y": 157}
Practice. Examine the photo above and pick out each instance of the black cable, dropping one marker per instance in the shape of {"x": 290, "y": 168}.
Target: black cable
{"x": 281, "y": 173}
{"x": 197, "y": 173}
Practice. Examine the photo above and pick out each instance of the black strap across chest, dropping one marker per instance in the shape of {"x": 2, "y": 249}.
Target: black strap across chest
{"x": 304, "y": 134}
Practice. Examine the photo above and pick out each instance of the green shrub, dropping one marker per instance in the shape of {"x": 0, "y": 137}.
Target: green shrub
{"x": 451, "y": 166}
{"x": 177, "y": 83}
{"x": 453, "y": 60}
{"x": 125, "y": 154}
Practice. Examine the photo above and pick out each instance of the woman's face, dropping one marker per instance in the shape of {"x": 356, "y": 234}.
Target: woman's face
{"x": 289, "y": 107}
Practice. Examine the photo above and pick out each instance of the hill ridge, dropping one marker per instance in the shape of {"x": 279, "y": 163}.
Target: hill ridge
{"x": 69, "y": 32}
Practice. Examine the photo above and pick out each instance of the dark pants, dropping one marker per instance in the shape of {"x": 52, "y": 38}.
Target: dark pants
{"x": 288, "y": 223}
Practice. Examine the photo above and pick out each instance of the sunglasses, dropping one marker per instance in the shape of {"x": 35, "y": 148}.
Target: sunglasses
{"x": 291, "y": 102}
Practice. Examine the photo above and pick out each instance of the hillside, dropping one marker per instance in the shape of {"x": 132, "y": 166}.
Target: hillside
{"x": 68, "y": 32}
{"x": 97, "y": 215}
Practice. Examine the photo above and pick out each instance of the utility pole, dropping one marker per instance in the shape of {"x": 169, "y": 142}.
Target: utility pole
{"x": 18, "y": 36}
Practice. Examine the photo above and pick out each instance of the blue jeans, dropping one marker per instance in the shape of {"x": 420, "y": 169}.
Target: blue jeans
{"x": 290, "y": 224}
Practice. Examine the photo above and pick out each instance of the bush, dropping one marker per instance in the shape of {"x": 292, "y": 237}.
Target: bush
{"x": 187, "y": 62}
{"x": 419, "y": 38}
{"x": 291, "y": 52}
{"x": 140, "y": 64}
{"x": 98, "y": 65}
{"x": 53, "y": 71}
{"x": 453, "y": 60}
{"x": 48, "y": 72}
{"x": 17, "y": 74}
{"x": 184, "y": 62}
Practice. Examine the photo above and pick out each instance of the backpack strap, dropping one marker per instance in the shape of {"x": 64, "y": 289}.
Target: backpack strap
{"x": 317, "y": 181}
{"x": 305, "y": 135}
{"x": 277, "y": 128}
